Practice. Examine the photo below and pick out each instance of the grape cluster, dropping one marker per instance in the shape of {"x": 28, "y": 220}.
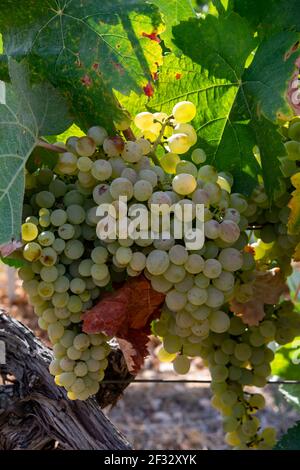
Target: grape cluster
{"x": 274, "y": 245}
{"x": 68, "y": 266}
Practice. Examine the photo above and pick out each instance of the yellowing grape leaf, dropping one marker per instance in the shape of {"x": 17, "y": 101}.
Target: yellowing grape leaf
{"x": 294, "y": 205}
{"x": 268, "y": 286}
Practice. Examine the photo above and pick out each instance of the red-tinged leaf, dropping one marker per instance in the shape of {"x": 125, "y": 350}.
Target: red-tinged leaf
{"x": 86, "y": 81}
{"x": 127, "y": 314}
{"x": 178, "y": 76}
{"x": 148, "y": 90}
{"x": 153, "y": 36}
{"x": 135, "y": 349}
{"x": 267, "y": 289}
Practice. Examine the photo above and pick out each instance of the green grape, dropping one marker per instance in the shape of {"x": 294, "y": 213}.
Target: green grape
{"x": 169, "y": 162}
{"x": 184, "y": 111}
{"x": 242, "y": 352}
{"x": 45, "y": 289}
{"x": 73, "y": 197}
{"x": 85, "y": 266}
{"x": 184, "y": 183}
{"x": 101, "y": 170}
{"x": 84, "y": 164}
{"x": 48, "y": 256}
{"x": 32, "y": 251}
{"x": 142, "y": 190}
{"x": 49, "y": 273}
{"x": 29, "y": 232}
{"x": 181, "y": 364}
{"x": 121, "y": 187}
{"x": 85, "y": 146}
{"x": 219, "y": 373}
{"x": 60, "y": 299}
{"x": 45, "y": 199}
{"x": 74, "y": 249}
{"x": 198, "y": 156}
{"x": 221, "y": 358}
{"x": 59, "y": 245}
{"x": 66, "y": 231}
{"x": 174, "y": 273}
{"x": 55, "y": 331}
{"x": 257, "y": 401}
{"x": 219, "y": 321}
{"x": 230, "y": 259}
{"x": 77, "y": 285}
{"x": 157, "y": 262}
{"x": 74, "y": 305}
{"x": 46, "y": 238}
{"x": 98, "y": 134}
{"x": 58, "y": 217}
{"x": 197, "y": 296}
{"x": 25, "y": 273}
{"x": 161, "y": 284}
{"x": 75, "y": 214}
{"x": 194, "y": 264}
{"x": 58, "y": 188}
{"x": 175, "y": 300}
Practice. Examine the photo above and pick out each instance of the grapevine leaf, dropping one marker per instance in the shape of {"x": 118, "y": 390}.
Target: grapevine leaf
{"x": 294, "y": 205}
{"x": 12, "y": 262}
{"x": 237, "y": 104}
{"x": 292, "y": 394}
{"x": 73, "y": 130}
{"x": 290, "y": 440}
{"x": 41, "y": 157}
{"x": 174, "y": 11}
{"x": 286, "y": 361}
{"x": 270, "y": 16}
{"x": 268, "y": 286}
{"x": 25, "y": 113}
{"x": 86, "y": 49}
{"x": 128, "y": 317}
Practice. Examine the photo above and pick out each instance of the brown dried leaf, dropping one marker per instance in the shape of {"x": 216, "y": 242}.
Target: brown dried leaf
{"x": 268, "y": 286}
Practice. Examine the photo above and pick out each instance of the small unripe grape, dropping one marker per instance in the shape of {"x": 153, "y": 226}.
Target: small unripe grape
{"x": 184, "y": 111}
{"x": 29, "y": 232}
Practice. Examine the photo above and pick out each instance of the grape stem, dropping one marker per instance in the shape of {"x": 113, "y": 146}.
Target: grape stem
{"x": 48, "y": 146}
{"x": 128, "y": 134}
{"x": 158, "y": 142}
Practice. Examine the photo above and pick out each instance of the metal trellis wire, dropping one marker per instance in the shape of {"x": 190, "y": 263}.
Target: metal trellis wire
{"x": 199, "y": 381}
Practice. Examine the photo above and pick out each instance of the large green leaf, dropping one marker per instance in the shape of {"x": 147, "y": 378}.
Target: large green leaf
{"x": 237, "y": 105}
{"x": 290, "y": 440}
{"x": 25, "y": 113}
{"x": 286, "y": 363}
{"x": 86, "y": 48}
{"x": 174, "y": 11}
{"x": 269, "y": 16}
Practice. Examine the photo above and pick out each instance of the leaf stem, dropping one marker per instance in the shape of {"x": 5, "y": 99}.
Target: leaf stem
{"x": 52, "y": 147}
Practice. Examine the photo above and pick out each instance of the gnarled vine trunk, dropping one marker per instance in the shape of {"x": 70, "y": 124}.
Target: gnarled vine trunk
{"x": 36, "y": 414}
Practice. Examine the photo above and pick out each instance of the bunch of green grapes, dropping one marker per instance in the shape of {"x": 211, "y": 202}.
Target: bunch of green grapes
{"x": 69, "y": 265}
{"x": 274, "y": 246}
